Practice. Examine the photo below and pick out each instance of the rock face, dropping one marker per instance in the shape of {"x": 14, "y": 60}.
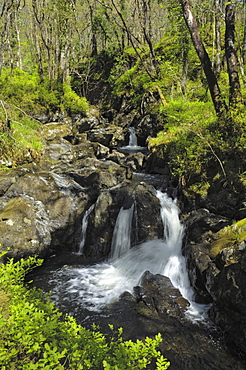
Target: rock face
{"x": 24, "y": 227}
{"x": 216, "y": 256}
{"x": 159, "y": 307}
{"x": 157, "y": 294}
{"x": 42, "y": 205}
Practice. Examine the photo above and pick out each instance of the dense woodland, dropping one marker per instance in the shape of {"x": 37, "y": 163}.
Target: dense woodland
{"x": 182, "y": 63}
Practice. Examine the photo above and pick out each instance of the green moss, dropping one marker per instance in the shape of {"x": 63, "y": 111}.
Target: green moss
{"x": 230, "y": 236}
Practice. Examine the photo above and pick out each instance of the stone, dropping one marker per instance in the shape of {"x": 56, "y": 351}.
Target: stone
{"x": 24, "y": 228}
{"x": 216, "y": 258}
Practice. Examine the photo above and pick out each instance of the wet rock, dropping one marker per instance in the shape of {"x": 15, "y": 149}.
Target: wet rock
{"x": 160, "y": 296}
{"x": 149, "y": 224}
{"x": 216, "y": 264}
{"x": 24, "y": 228}
{"x": 109, "y": 136}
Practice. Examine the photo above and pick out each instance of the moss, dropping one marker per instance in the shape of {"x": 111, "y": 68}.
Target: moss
{"x": 230, "y": 236}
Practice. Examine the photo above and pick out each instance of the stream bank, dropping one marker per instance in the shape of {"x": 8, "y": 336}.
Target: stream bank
{"x": 43, "y": 206}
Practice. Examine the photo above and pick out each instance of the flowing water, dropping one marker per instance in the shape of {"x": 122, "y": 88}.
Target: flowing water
{"x": 91, "y": 293}
{"x": 132, "y": 146}
{"x": 94, "y": 287}
{"x": 84, "y": 228}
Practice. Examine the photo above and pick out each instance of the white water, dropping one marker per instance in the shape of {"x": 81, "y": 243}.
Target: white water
{"x": 84, "y": 228}
{"x": 133, "y": 142}
{"x": 95, "y": 286}
{"x": 121, "y": 241}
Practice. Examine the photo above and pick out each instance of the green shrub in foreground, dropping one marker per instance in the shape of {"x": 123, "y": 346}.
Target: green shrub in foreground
{"x": 34, "y": 335}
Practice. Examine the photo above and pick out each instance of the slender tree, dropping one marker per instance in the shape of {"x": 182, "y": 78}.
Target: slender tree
{"x": 231, "y": 55}
{"x": 219, "y": 103}
{"x": 217, "y": 35}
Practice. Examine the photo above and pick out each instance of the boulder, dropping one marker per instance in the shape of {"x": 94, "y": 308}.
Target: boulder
{"x": 160, "y": 297}
{"x": 216, "y": 256}
{"x": 110, "y": 135}
{"x": 63, "y": 201}
{"x": 100, "y": 226}
{"x": 135, "y": 161}
{"x": 24, "y": 228}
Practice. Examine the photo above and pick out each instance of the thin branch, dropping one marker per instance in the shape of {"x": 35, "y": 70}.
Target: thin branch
{"x": 5, "y": 111}
{"x": 22, "y": 111}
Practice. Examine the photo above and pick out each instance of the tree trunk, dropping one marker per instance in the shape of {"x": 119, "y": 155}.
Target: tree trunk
{"x": 231, "y": 56}
{"x": 217, "y": 36}
{"x": 219, "y": 103}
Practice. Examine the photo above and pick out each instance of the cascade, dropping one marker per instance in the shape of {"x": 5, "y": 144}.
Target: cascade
{"x": 84, "y": 228}
{"x": 133, "y": 141}
{"x": 121, "y": 241}
{"x": 133, "y": 146}
{"x": 94, "y": 287}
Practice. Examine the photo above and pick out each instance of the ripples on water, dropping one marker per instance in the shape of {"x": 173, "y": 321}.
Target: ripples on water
{"x": 94, "y": 287}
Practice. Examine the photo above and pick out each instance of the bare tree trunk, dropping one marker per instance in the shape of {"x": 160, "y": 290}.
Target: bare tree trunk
{"x": 94, "y": 37}
{"x": 217, "y": 36}
{"x": 231, "y": 56}
{"x": 185, "y": 54}
{"x": 219, "y": 103}
{"x": 19, "y": 61}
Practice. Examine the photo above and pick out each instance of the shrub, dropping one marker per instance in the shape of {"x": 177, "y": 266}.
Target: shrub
{"x": 35, "y": 335}
{"x": 189, "y": 141}
{"x": 72, "y": 102}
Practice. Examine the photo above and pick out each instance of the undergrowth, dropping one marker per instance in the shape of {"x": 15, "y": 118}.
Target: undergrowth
{"x": 23, "y": 99}
{"x": 192, "y": 138}
{"x": 35, "y": 335}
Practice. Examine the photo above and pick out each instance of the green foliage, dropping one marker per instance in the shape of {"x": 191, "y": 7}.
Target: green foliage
{"x": 72, "y": 102}
{"x": 34, "y": 335}
{"x": 188, "y": 138}
{"x": 19, "y": 136}
{"x": 22, "y": 98}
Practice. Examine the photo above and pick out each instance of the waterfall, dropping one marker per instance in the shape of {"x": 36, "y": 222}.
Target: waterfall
{"x": 95, "y": 286}
{"x": 121, "y": 241}
{"x": 133, "y": 146}
{"x": 84, "y": 228}
{"x": 133, "y": 141}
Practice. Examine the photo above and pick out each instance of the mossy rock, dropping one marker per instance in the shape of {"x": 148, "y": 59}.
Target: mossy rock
{"x": 229, "y": 237}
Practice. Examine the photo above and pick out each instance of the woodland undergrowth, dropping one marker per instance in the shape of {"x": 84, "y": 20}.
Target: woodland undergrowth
{"x": 35, "y": 335}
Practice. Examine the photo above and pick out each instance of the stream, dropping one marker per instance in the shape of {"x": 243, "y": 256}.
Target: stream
{"x": 92, "y": 292}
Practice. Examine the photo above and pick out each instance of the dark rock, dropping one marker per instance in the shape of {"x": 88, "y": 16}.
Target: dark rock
{"x": 24, "y": 228}
{"x": 160, "y": 296}
{"x": 149, "y": 224}
{"x": 216, "y": 263}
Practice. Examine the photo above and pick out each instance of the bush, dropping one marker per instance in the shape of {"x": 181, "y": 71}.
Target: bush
{"x": 187, "y": 139}
{"x": 35, "y": 335}
{"x": 72, "y": 102}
